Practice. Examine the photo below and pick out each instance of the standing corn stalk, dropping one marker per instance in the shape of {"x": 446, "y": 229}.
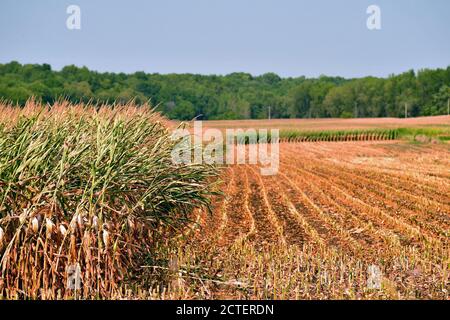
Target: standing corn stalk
{"x": 93, "y": 186}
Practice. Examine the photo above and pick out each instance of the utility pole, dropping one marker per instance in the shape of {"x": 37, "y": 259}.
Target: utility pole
{"x": 269, "y": 112}
{"x": 448, "y": 106}
{"x": 406, "y": 110}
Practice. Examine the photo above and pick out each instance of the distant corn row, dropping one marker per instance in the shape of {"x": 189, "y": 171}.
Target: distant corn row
{"x": 316, "y": 136}
{"x": 88, "y": 187}
{"x": 334, "y": 136}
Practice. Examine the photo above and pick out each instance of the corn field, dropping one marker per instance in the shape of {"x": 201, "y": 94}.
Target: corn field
{"x": 92, "y": 186}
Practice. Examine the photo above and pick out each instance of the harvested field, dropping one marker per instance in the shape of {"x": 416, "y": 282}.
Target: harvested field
{"x": 98, "y": 189}
{"x": 332, "y": 124}
{"x": 313, "y": 231}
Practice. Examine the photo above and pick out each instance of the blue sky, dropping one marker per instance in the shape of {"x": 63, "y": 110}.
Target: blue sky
{"x": 289, "y": 37}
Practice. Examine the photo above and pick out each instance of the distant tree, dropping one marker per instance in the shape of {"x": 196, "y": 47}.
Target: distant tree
{"x": 237, "y": 95}
{"x": 17, "y": 94}
{"x": 270, "y": 78}
{"x": 440, "y": 102}
{"x": 78, "y": 91}
{"x": 183, "y": 110}
{"x": 301, "y": 102}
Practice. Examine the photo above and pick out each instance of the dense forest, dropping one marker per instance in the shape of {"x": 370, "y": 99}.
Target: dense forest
{"x": 236, "y": 95}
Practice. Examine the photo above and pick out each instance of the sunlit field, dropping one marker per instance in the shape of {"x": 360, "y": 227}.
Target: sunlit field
{"x": 333, "y": 124}
{"x": 95, "y": 187}
{"x": 334, "y": 210}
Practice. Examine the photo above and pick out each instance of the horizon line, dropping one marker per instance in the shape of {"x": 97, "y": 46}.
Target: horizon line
{"x": 415, "y": 70}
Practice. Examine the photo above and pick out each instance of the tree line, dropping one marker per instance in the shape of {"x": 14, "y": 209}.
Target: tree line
{"x": 236, "y": 95}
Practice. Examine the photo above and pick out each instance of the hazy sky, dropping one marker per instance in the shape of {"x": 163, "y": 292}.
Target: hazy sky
{"x": 289, "y": 37}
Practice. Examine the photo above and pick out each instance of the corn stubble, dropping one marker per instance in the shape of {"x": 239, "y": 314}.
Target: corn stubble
{"x": 87, "y": 185}
{"x": 334, "y": 212}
